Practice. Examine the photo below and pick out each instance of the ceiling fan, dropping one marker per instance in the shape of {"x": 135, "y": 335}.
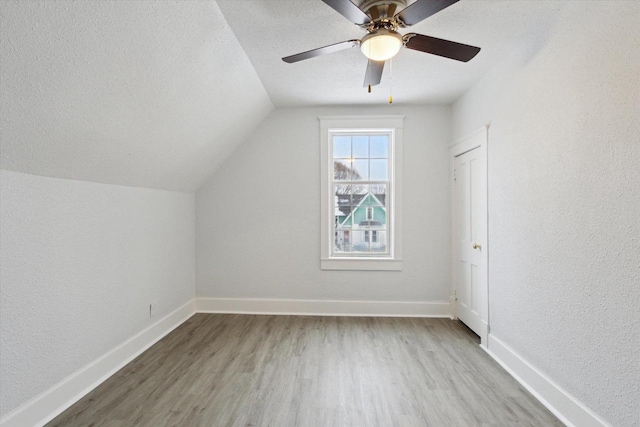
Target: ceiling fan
{"x": 381, "y": 19}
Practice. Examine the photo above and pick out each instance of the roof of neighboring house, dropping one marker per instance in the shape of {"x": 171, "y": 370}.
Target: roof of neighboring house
{"x": 345, "y": 203}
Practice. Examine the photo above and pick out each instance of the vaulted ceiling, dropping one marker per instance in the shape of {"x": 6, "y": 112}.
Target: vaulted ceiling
{"x": 142, "y": 93}
{"x": 159, "y": 93}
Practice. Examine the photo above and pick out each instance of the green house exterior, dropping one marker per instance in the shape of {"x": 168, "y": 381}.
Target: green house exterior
{"x": 379, "y": 217}
{"x": 363, "y": 228}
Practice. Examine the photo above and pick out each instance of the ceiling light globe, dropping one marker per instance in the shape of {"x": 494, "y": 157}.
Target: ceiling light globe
{"x": 381, "y": 45}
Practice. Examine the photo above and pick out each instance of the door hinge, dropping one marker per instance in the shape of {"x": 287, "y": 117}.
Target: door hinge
{"x": 455, "y": 295}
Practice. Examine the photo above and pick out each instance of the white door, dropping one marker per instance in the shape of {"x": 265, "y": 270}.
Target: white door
{"x": 470, "y": 235}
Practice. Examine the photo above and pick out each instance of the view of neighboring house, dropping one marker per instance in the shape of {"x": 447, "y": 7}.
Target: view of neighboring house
{"x": 205, "y": 223}
{"x": 361, "y": 223}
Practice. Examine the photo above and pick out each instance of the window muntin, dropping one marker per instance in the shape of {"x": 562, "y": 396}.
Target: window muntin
{"x": 348, "y": 125}
{"x": 360, "y": 186}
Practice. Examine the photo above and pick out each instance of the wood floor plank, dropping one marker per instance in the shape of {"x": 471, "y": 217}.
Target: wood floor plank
{"x": 245, "y": 370}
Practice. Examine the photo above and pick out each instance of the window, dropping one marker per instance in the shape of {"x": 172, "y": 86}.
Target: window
{"x": 374, "y": 236}
{"x": 369, "y": 213}
{"x": 361, "y": 227}
{"x": 360, "y": 187}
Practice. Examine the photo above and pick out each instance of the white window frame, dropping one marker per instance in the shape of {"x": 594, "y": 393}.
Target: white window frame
{"x": 337, "y": 124}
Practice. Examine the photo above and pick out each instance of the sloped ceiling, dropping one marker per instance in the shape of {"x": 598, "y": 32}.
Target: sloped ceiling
{"x": 158, "y": 93}
{"x": 271, "y": 29}
{"x": 142, "y": 93}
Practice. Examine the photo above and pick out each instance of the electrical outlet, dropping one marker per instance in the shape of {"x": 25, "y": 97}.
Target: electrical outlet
{"x": 153, "y": 308}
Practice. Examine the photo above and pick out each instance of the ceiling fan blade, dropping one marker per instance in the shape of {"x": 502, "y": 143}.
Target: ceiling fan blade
{"x": 349, "y": 10}
{"x": 422, "y": 9}
{"x": 374, "y": 73}
{"x": 321, "y": 51}
{"x": 440, "y": 47}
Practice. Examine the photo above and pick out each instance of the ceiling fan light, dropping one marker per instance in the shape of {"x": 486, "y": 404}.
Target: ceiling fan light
{"x": 381, "y": 45}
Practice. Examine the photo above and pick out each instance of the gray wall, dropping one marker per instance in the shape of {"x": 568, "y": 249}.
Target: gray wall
{"x": 80, "y": 263}
{"x": 258, "y": 218}
{"x": 564, "y": 204}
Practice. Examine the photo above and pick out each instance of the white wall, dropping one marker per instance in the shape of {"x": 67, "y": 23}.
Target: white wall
{"x": 258, "y": 217}
{"x": 564, "y": 204}
{"x": 80, "y": 263}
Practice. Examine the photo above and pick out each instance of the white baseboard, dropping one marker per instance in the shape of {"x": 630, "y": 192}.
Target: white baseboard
{"x": 49, "y": 404}
{"x": 46, "y": 406}
{"x": 323, "y": 307}
{"x": 560, "y": 402}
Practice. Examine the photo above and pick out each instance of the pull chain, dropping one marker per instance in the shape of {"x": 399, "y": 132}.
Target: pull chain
{"x": 390, "y": 79}
{"x": 368, "y": 67}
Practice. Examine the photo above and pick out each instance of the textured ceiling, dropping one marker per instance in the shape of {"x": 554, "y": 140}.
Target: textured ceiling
{"x": 159, "y": 93}
{"x": 143, "y": 93}
{"x": 271, "y": 29}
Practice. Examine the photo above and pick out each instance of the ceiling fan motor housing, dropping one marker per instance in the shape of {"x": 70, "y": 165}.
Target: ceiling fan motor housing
{"x": 382, "y": 9}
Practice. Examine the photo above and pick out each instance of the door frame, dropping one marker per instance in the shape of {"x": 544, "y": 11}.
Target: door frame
{"x": 478, "y": 138}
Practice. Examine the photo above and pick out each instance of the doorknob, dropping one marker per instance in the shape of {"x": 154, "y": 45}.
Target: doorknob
{"x": 476, "y": 246}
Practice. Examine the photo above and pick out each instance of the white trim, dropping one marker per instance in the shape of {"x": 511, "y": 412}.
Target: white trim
{"x": 362, "y": 121}
{"x": 394, "y": 212}
{"x": 469, "y": 136}
{"x": 474, "y": 140}
{"x": 51, "y": 403}
{"x": 323, "y": 307}
{"x": 560, "y": 402}
{"x": 371, "y": 264}
{"x": 477, "y": 138}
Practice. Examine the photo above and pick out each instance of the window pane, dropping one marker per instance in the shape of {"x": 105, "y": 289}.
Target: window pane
{"x": 381, "y": 217}
{"x": 359, "y": 243}
{"x": 377, "y": 216}
{"x": 342, "y": 241}
{"x": 379, "y": 170}
{"x": 359, "y": 207}
{"x": 360, "y": 169}
{"x": 381, "y": 244}
{"x": 343, "y": 171}
{"x": 344, "y": 194}
{"x": 341, "y": 147}
{"x": 341, "y": 210}
{"x": 353, "y": 192}
{"x": 379, "y": 146}
{"x": 360, "y": 147}
{"x": 368, "y": 210}
{"x": 379, "y": 191}
{"x": 341, "y": 218}
{"x": 359, "y": 192}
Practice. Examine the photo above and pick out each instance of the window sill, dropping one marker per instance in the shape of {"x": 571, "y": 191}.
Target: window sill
{"x": 371, "y": 264}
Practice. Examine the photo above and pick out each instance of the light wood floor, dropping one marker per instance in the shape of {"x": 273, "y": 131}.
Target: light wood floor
{"x": 241, "y": 370}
